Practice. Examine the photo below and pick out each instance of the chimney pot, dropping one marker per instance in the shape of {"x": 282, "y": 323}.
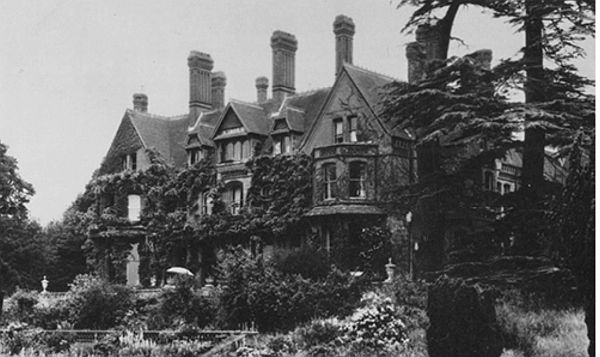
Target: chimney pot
{"x": 344, "y": 29}
{"x": 218, "y": 83}
{"x": 140, "y": 102}
{"x": 262, "y": 84}
{"x": 284, "y": 47}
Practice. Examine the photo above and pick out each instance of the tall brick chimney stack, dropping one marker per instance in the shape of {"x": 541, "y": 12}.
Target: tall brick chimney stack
{"x": 262, "y": 84}
{"x": 423, "y": 51}
{"x": 343, "y": 28}
{"x": 284, "y": 47}
{"x": 218, "y": 83}
{"x": 200, "y": 65}
{"x": 140, "y": 102}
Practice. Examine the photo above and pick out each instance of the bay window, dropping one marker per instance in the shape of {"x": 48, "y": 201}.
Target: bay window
{"x": 233, "y": 197}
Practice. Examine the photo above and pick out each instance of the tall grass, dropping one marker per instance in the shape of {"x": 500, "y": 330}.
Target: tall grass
{"x": 543, "y": 332}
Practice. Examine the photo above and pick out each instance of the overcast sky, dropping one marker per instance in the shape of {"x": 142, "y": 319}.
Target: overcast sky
{"x": 68, "y": 68}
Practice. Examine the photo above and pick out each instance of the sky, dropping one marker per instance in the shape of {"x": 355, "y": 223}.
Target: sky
{"x": 68, "y": 68}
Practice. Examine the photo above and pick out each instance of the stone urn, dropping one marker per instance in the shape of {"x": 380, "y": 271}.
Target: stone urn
{"x": 390, "y": 270}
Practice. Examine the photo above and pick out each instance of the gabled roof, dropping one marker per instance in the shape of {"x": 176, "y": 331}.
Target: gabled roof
{"x": 308, "y": 102}
{"x": 371, "y": 86}
{"x": 165, "y": 134}
{"x": 204, "y": 127}
{"x": 253, "y": 117}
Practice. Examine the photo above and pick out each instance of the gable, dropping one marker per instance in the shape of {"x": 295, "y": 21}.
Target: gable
{"x": 126, "y": 141}
{"x": 229, "y": 125}
{"x": 345, "y": 100}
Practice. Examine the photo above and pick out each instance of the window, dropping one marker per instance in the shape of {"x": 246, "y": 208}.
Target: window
{"x": 358, "y": 180}
{"x": 205, "y": 203}
{"x": 233, "y": 197}
{"x": 194, "y": 155}
{"x": 352, "y": 129}
{"x": 282, "y": 145}
{"x": 329, "y": 181}
{"x": 134, "y": 208}
{"x": 246, "y": 149}
{"x": 130, "y": 161}
{"x": 277, "y": 147}
{"x": 338, "y": 131}
{"x": 237, "y": 151}
{"x": 507, "y": 188}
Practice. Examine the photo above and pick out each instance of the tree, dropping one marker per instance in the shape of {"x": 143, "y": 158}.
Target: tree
{"x": 21, "y": 251}
{"x": 556, "y": 107}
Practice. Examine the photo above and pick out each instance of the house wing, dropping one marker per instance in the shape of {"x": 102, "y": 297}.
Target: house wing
{"x": 127, "y": 140}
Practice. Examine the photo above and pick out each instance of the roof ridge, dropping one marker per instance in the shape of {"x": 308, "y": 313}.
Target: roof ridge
{"x": 386, "y": 76}
{"x": 238, "y": 101}
{"x": 309, "y": 91}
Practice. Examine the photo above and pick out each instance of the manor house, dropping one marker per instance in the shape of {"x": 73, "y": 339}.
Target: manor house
{"x": 357, "y": 156}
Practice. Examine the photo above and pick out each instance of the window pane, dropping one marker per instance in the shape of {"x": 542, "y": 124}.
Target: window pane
{"x": 358, "y": 178}
{"x": 229, "y": 155}
{"x": 134, "y": 206}
{"x": 237, "y": 151}
{"x": 352, "y": 129}
{"x": 329, "y": 181}
{"x": 277, "y": 147}
{"x": 287, "y": 144}
{"x": 338, "y": 131}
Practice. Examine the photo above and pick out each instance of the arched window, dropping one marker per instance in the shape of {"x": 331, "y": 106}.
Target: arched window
{"x": 134, "y": 208}
{"x": 358, "y": 180}
{"x": 329, "y": 181}
{"x": 233, "y": 197}
{"x": 507, "y": 188}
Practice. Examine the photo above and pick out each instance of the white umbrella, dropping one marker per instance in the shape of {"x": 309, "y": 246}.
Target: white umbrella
{"x": 180, "y": 270}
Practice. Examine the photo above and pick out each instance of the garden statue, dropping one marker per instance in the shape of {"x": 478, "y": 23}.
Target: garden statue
{"x": 44, "y": 285}
{"x": 390, "y": 268}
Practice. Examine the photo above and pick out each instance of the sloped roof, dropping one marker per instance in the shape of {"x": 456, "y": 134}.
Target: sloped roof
{"x": 253, "y": 117}
{"x": 165, "y": 134}
{"x": 371, "y": 86}
{"x": 204, "y": 127}
{"x": 308, "y": 102}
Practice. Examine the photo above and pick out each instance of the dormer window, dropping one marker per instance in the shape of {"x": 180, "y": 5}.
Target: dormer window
{"x": 130, "y": 161}
{"x": 338, "y": 131}
{"x": 194, "y": 155}
{"x": 282, "y": 145}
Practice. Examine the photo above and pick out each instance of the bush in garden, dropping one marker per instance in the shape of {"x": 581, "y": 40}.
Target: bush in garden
{"x": 255, "y": 291}
{"x": 20, "y": 306}
{"x": 182, "y": 306}
{"x": 97, "y": 304}
{"x": 318, "y": 332}
{"x": 376, "y": 326}
{"x": 18, "y": 336}
{"x": 306, "y": 261}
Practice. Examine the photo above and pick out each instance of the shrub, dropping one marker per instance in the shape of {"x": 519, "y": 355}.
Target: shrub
{"x": 97, "y": 304}
{"x": 253, "y": 291}
{"x": 182, "y": 306}
{"x": 377, "y": 326}
{"x": 318, "y": 332}
{"x": 306, "y": 261}
{"x": 20, "y": 306}
{"x": 19, "y": 336}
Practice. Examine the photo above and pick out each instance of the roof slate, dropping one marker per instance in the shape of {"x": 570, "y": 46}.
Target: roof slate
{"x": 165, "y": 134}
